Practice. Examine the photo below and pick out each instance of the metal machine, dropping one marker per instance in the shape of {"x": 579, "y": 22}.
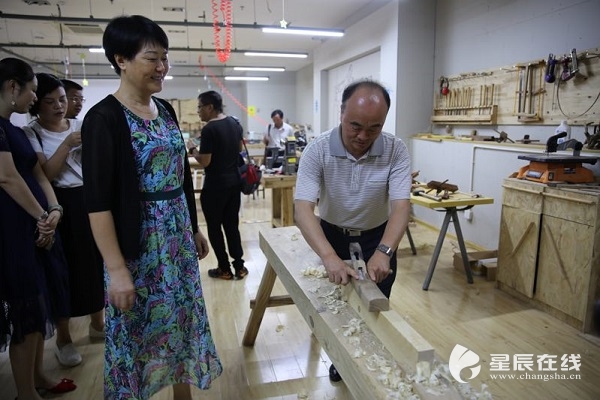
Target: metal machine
{"x": 545, "y": 168}
{"x": 290, "y": 160}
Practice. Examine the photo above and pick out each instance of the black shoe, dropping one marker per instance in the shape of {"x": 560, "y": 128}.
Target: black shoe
{"x": 219, "y": 273}
{"x": 334, "y": 375}
{"x": 240, "y": 273}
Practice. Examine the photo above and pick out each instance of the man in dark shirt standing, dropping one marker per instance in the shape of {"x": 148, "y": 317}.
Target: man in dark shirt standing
{"x": 220, "y": 199}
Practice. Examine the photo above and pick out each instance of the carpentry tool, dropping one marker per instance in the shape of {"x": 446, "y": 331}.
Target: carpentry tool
{"x": 550, "y": 67}
{"x": 357, "y": 258}
{"x": 527, "y": 140}
{"x": 567, "y": 71}
{"x": 547, "y": 168}
{"x": 444, "y": 86}
{"x": 574, "y": 63}
{"x": 442, "y": 186}
{"x": 422, "y": 193}
{"x": 366, "y": 289}
{"x": 592, "y": 141}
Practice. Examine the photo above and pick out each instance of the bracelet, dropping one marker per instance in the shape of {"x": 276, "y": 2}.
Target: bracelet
{"x": 56, "y": 207}
{"x": 43, "y": 217}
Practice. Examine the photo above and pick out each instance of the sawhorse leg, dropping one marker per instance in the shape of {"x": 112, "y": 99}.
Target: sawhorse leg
{"x": 262, "y": 299}
{"x": 410, "y": 240}
{"x": 451, "y": 214}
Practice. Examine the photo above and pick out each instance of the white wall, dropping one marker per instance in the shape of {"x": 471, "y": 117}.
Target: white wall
{"x": 377, "y": 32}
{"x": 278, "y": 93}
{"x": 304, "y": 98}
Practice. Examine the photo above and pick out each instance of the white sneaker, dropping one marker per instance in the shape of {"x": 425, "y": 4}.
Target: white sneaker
{"x": 68, "y": 356}
{"x": 95, "y": 334}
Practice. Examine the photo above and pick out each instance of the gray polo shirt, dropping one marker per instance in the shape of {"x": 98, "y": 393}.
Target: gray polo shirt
{"x": 350, "y": 193}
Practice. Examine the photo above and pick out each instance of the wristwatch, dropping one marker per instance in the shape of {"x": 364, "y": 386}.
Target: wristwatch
{"x": 191, "y": 151}
{"x": 385, "y": 249}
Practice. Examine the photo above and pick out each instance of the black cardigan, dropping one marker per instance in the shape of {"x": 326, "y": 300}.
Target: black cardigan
{"x": 110, "y": 180}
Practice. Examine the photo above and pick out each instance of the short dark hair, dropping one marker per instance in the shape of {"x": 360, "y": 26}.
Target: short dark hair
{"x": 350, "y": 89}
{"x": 70, "y": 85}
{"x": 47, "y": 83}
{"x": 277, "y": 112}
{"x": 213, "y": 98}
{"x": 15, "y": 69}
{"x": 126, "y": 35}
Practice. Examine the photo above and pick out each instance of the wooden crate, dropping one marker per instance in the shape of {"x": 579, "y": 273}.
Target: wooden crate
{"x": 519, "y": 227}
{"x": 549, "y": 250}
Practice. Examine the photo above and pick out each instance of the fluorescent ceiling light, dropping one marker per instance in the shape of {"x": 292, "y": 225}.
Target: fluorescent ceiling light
{"x": 168, "y": 77}
{"x": 270, "y": 69}
{"x": 96, "y": 50}
{"x": 246, "y": 78}
{"x": 304, "y": 31}
{"x": 274, "y": 54}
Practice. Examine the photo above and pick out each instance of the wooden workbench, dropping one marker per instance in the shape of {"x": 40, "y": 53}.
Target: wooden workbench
{"x": 282, "y": 200}
{"x": 457, "y": 202}
{"x": 384, "y": 335}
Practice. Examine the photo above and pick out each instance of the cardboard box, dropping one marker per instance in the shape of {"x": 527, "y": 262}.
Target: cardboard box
{"x": 480, "y": 262}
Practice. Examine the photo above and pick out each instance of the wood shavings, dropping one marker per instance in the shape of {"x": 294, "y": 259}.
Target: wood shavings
{"x": 302, "y": 395}
{"x": 358, "y": 353}
{"x": 294, "y": 237}
{"x": 333, "y": 301}
{"x": 279, "y": 328}
{"x": 353, "y": 327}
{"x": 317, "y": 272}
{"x": 314, "y": 289}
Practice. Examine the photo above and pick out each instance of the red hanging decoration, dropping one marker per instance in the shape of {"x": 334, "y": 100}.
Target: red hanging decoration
{"x": 225, "y": 10}
{"x": 205, "y": 70}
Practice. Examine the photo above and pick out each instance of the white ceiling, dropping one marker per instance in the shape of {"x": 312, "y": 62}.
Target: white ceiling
{"x": 53, "y": 35}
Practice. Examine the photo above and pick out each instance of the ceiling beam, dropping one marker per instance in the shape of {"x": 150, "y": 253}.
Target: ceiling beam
{"x": 86, "y": 47}
{"x": 184, "y": 23}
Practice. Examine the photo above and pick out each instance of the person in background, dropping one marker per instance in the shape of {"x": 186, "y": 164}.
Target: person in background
{"x": 361, "y": 179}
{"x": 275, "y": 139}
{"x": 139, "y": 195}
{"x": 74, "y": 92}
{"x": 219, "y": 155}
{"x": 33, "y": 275}
{"x": 57, "y": 143}
{"x": 277, "y": 132}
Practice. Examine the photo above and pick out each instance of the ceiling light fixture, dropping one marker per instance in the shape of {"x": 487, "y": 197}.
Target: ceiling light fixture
{"x": 246, "y": 78}
{"x": 306, "y": 31}
{"x": 270, "y": 69}
{"x": 96, "y": 50}
{"x": 274, "y": 54}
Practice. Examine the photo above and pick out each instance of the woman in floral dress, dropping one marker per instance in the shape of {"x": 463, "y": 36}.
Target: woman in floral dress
{"x": 140, "y": 200}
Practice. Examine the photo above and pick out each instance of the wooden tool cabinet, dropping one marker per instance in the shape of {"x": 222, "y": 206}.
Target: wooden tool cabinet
{"x": 549, "y": 250}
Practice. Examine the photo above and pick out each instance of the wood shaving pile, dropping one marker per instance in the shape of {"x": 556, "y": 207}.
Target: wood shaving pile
{"x": 316, "y": 272}
{"x": 333, "y": 300}
{"x": 389, "y": 374}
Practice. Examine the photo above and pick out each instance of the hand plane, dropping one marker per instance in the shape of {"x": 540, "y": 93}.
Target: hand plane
{"x": 366, "y": 289}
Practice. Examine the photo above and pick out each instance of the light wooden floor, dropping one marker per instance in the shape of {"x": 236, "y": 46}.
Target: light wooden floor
{"x": 288, "y": 363}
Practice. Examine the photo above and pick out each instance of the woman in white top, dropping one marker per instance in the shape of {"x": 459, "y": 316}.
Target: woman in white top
{"x": 57, "y": 142}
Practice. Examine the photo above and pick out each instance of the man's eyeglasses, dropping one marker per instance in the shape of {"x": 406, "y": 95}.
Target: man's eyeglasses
{"x": 76, "y": 99}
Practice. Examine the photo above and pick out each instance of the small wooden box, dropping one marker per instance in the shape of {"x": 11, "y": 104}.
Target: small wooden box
{"x": 477, "y": 268}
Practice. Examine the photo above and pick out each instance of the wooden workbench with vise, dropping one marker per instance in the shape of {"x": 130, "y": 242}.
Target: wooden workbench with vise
{"x": 378, "y": 354}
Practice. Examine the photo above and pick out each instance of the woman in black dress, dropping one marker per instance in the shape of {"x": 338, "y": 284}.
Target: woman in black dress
{"x": 33, "y": 275}
{"x": 57, "y": 143}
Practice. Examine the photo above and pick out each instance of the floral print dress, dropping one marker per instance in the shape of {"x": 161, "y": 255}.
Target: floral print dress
{"x": 165, "y": 339}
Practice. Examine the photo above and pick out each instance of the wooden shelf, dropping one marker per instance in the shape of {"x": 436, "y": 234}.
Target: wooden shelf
{"x": 447, "y": 115}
